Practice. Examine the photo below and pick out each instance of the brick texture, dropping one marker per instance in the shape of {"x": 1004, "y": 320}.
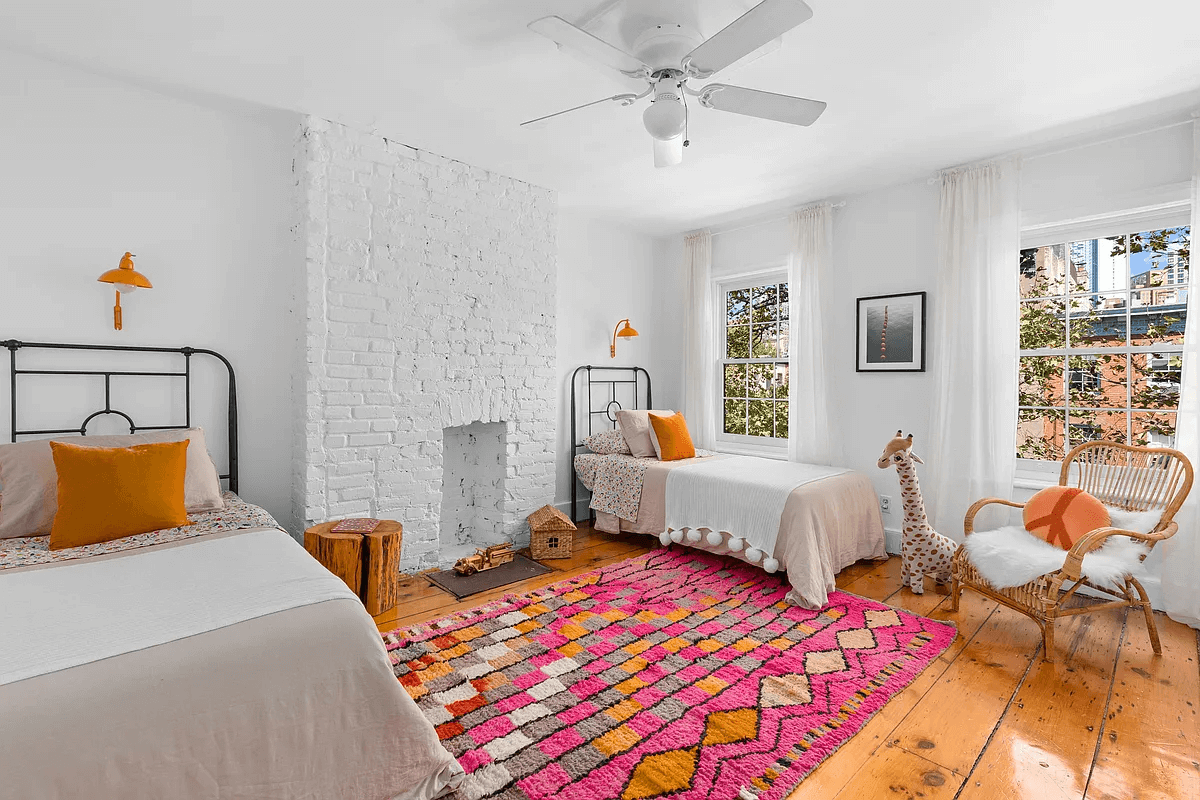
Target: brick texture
{"x": 430, "y": 296}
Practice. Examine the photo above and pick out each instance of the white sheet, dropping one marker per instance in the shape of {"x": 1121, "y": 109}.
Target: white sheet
{"x": 79, "y": 613}
{"x": 740, "y": 495}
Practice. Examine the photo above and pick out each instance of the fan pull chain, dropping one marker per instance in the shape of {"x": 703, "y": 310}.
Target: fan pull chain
{"x": 683, "y": 97}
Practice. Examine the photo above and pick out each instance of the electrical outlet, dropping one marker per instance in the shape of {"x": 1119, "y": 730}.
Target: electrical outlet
{"x": 885, "y": 504}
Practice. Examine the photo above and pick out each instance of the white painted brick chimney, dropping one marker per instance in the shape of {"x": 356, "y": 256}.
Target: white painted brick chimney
{"x": 430, "y": 305}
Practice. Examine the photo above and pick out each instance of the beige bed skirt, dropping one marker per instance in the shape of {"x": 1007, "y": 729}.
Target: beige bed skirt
{"x": 840, "y": 513}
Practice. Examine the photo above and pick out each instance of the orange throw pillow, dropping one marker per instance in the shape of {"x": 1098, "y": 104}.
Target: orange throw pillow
{"x": 674, "y": 441}
{"x": 1062, "y": 514}
{"x": 107, "y": 493}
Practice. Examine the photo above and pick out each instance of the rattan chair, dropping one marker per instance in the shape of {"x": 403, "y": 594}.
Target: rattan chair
{"x": 1132, "y": 478}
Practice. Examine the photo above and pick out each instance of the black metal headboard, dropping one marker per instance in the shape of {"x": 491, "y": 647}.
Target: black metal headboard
{"x": 14, "y": 345}
{"x": 610, "y": 377}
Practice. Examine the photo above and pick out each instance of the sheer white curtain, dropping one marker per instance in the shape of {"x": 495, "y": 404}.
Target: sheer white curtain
{"x": 812, "y": 437}
{"x": 1181, "y": 553}
{"x": 700, "y": 354}
{"x": 973, "y": 414}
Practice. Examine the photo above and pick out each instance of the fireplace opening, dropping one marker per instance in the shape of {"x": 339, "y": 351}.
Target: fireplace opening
{"x": 474, "y": 462}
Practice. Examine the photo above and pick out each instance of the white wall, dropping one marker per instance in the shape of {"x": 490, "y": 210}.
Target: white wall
{"x": 885, "y": 242}
{"x": 201, "y": 193}
{"x": 1107, "y": 177}
{"x": 605, "y": 274}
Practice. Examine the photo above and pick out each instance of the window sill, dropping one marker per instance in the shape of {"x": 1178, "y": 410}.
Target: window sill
{"x": 1033, "y": 475}
{"x": 779, "y": 454}
{"x": 1033, "y": 483}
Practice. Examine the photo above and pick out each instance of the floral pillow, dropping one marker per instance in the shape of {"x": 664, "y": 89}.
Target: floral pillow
{"x": 607, "y": 443}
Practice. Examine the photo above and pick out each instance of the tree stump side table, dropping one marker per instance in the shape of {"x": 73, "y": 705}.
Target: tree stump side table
{"x": 368, "y": 563}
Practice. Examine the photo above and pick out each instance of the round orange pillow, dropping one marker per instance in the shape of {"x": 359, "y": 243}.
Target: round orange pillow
{"x": 1062, "y": 514}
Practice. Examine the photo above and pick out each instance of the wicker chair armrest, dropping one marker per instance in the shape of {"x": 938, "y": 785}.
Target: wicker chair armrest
{"x": 1072, "y": 566}
{"x": 969, "y": 520}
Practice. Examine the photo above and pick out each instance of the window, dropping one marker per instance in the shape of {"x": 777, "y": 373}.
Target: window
{"x": 754, "y": 379}
{"x": 1101, "y": 339}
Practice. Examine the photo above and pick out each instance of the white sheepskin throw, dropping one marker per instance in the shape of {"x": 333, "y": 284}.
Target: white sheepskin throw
{"x": 1012, "y": 556}
{"x": 1140, "y": 521}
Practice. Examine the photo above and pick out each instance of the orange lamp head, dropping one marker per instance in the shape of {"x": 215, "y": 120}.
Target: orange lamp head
{"x": 125, "y": 279}
{"x": 625, "y": 332}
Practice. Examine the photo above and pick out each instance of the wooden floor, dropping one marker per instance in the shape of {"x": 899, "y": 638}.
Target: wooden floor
{"x": 989, "y": 719}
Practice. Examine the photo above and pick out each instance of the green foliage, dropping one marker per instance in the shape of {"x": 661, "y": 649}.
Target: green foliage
{"x": 765, "y": 304}
{"x": 737, "y": 341}
{"x": 1046, "y": 447}
{"x": 1158, "y": 243}
{"x": 735, "y": 416}
{"x": 761, "y": 421}
{"x": 737, "y": 307}
{"x": 760, "y": 380}
{"x": 735, "y": 380}
{"x": 1075, "y": 382}
{"x": 753, "y": 330}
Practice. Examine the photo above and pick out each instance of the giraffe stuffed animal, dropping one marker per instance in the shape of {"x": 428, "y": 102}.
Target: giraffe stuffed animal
{"x": 923, "y": 551}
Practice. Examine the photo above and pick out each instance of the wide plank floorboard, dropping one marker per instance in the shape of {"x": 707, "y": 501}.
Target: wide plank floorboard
{"x": 988, "y": 719}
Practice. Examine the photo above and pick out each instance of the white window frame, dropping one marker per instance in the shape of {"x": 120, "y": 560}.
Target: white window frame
{"x": 1035, "y": 473}
{"x": 773, "y": 447}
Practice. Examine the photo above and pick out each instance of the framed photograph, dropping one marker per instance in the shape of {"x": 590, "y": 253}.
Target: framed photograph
{"x": 891, "y": 333}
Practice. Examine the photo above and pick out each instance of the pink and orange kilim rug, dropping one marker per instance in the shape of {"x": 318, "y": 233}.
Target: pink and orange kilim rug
{"x": 673, "y": 674}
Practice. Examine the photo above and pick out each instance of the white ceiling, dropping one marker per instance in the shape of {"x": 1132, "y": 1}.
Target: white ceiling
{"x": 911, "y": 86}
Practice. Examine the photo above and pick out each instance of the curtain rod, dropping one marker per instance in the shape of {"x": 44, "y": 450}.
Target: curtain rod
{"x": 768, "y": 220}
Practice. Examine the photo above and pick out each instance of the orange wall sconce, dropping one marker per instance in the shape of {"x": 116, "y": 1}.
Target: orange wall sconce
{"x": 125, "y": 279}
{"x": 625, "y": 332}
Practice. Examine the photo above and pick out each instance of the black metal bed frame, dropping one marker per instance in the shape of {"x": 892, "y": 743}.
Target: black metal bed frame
{"x": 14, "y": 345}
{"x": 630, "y": 377}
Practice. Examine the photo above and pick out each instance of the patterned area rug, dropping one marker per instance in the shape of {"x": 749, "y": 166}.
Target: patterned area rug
{"x": 673, "y": 673}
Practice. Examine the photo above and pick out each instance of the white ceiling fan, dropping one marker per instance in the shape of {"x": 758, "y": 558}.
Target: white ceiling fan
{"x": 669, "y": 55}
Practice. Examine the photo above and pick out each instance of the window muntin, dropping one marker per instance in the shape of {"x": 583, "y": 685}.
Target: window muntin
{"x": 1101, "y": 337}
{"x": 754, "y": 369}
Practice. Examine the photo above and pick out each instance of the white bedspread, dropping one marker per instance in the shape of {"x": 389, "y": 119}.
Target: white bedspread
{"x": 79, "y": 613}
{"x": 740, "y": 495}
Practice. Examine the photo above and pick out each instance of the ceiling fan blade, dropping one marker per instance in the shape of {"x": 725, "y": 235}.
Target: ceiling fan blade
{"x": 668, "y": 153}
{"x": 540, "y": 122}
{"x": 765, "y": 105}
{"x": 765, "y": 50}
{"x": 746, "y": 34}
{"x": 580, "y": 42}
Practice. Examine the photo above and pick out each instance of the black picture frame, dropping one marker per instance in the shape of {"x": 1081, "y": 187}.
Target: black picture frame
{"x": 904, "y": 316}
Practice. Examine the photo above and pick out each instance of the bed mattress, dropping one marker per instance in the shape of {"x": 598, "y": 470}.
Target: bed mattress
{"x": 300, "y": 702}
{"x": 825, "y": 526}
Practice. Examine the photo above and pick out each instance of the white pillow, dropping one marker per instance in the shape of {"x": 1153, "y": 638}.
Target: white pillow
{"x": 639, "y": 434}
{"x": 30, "y": 482}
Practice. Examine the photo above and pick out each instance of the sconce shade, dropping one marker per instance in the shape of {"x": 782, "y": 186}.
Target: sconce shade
{"x": 124, "y": 279}
{"x": 125, "y": 275}
{"x": 624, "y": 333}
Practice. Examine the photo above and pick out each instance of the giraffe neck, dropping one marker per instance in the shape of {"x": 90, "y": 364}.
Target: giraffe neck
{"x": 914, "y": 504}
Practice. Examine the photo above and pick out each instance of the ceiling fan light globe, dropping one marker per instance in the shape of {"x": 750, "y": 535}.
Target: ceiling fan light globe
{"x": 664, "y": 119}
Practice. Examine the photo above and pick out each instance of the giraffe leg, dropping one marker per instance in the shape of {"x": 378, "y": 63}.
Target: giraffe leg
{"x": 917, "y": 583}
